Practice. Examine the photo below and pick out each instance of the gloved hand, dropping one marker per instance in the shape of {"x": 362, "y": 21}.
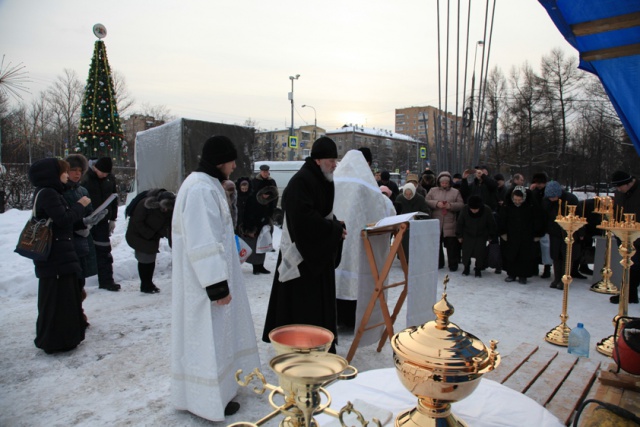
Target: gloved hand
{"x": 84, "y": 232}
{"x": 112, "y": 226}
{"x": 91, "y": 221}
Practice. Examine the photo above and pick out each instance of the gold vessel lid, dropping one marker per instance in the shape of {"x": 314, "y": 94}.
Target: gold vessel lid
{"x": 440, "y": 345}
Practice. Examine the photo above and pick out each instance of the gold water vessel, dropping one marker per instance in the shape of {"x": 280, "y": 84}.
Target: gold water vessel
{"x": 440, "y": 364}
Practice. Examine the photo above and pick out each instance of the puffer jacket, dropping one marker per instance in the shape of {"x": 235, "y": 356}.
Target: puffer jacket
{"x": 447, "y": 217}
{"x": 50, "y": 203}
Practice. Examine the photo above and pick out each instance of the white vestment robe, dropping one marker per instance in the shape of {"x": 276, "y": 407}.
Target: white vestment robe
{"x": 209, "y": 342}
{"x": 358, "y": 202}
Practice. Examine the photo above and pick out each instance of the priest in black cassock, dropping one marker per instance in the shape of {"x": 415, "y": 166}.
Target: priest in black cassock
{"x": 304, "y": 285}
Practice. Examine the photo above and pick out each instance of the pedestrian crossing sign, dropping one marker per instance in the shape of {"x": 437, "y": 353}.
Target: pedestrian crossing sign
{"x": 293, "y": 142}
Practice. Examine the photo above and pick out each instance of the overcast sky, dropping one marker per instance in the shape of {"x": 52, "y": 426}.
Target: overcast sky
{"x": 226, "y": 61}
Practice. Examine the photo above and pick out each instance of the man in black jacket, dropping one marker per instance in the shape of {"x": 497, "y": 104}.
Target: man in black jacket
{"x": 304, "y": 285}
{"x": 101, "y": 184}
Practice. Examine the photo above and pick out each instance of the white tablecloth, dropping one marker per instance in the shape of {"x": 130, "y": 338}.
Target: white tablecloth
{"x": 490, "y": 405}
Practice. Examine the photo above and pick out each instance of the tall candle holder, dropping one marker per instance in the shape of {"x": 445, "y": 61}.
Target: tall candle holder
{"x": 604, "y": 207}
{"x": 570, "y": 223}
{"x": 627, "y": 231}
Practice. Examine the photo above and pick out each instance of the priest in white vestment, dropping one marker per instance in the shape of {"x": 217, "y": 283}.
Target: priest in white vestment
{"x": 212, "y": 332}
{"x": 359, "y": 200}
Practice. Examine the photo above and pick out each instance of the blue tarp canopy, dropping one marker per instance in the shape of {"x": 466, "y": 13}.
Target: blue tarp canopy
{"x": 606, "y": 33}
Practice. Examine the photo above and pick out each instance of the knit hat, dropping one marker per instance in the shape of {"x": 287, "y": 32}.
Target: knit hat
{"x": 366, "y": 152}
{"x": 553, "y": 189}
{"x": 77, "y": 161}
{"x": 457, "y": 175}
{"x": 324, "y": 148}
{"x": 104, "y": 164}
{"x": 620, "y": 178}
{"x": 475, "y": 202}
{"x": 539, "y": 178}
{"x": 218, "y": 150}
{"x": 412, "y": 177}
{"x": 498, "y": 177}
{"x": 385, "y": 176}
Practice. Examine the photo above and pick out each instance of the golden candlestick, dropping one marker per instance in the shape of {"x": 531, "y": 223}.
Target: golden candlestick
{"x": 570, "y": 223}
{"x": 627, "y": 231}
{"x": 604, "y": 207}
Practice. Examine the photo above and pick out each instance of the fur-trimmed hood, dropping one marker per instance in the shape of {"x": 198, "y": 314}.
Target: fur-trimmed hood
{"x": 159, "y": 198}
{"x": 271, "y": 191}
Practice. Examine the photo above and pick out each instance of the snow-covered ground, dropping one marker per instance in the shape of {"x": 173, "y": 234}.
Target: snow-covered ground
{"x": 120, "y": 374}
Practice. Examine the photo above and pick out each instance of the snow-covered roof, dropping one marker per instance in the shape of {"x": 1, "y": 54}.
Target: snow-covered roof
{"x": 371, "y": 131}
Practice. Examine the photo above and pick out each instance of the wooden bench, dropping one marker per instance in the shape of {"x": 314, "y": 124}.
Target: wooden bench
{"x": 620, "y": 389}
{"x": 555, "y": 379}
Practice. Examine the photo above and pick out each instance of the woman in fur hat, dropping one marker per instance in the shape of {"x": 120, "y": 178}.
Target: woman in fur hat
{"x": 150, "y": 221}
{"x": 82, "y": 240}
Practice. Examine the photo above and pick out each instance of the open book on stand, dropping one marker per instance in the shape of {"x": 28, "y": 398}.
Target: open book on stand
{"x": 104, "y": 205}
{"x": 397, "y": 219}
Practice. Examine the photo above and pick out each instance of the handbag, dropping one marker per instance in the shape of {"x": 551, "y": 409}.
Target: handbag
{"x": 36, "y": 237}
{"x": 264, "y": 243}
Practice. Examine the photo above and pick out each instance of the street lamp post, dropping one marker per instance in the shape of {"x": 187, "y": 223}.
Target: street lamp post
{"x": 473, "y": 84}
{"x": 315, "y": 120}
{"x": 292, "y": 78}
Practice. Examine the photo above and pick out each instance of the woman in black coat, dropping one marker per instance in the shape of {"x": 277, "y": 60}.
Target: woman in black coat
{"x": 474, "y": 228}
{"x": 60, "y": 325}
{"x": 244, "y": 191}
{"x": 520, "y": 222}
{"x": 149, "y": 222}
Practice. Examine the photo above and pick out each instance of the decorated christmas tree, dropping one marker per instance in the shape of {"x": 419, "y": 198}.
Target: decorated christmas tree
{"x": 100, "y": 133}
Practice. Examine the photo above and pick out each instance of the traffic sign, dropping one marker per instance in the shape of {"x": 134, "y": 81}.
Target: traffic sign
{"x": 423, "y": 152}
{"x": 293, "y": 142}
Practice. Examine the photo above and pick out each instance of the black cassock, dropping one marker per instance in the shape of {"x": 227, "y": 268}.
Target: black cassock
{"x": 311, "y": 298}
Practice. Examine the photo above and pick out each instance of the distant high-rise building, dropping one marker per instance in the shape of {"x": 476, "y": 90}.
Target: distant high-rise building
{"x": 420, "y": 123}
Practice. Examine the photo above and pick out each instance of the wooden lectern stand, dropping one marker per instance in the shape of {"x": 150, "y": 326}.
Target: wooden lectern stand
{"x": 396, "y": 230}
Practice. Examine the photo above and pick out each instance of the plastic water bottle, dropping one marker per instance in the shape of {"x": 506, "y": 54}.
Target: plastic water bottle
{"x": 579, "y": 340}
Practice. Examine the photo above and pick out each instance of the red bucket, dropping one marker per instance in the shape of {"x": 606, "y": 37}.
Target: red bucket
{"x": 626, "y": 352}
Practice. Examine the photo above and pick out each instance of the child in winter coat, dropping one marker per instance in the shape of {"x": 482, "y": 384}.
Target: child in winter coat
{"x": 475, "y": 227}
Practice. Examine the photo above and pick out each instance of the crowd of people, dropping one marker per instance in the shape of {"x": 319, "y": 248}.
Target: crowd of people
{"x": 479, "y": 212}
{"x": 212, "y": 328}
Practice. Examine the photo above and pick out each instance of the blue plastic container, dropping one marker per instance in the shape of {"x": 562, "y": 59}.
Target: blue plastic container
{"x": 579, "y": 341}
